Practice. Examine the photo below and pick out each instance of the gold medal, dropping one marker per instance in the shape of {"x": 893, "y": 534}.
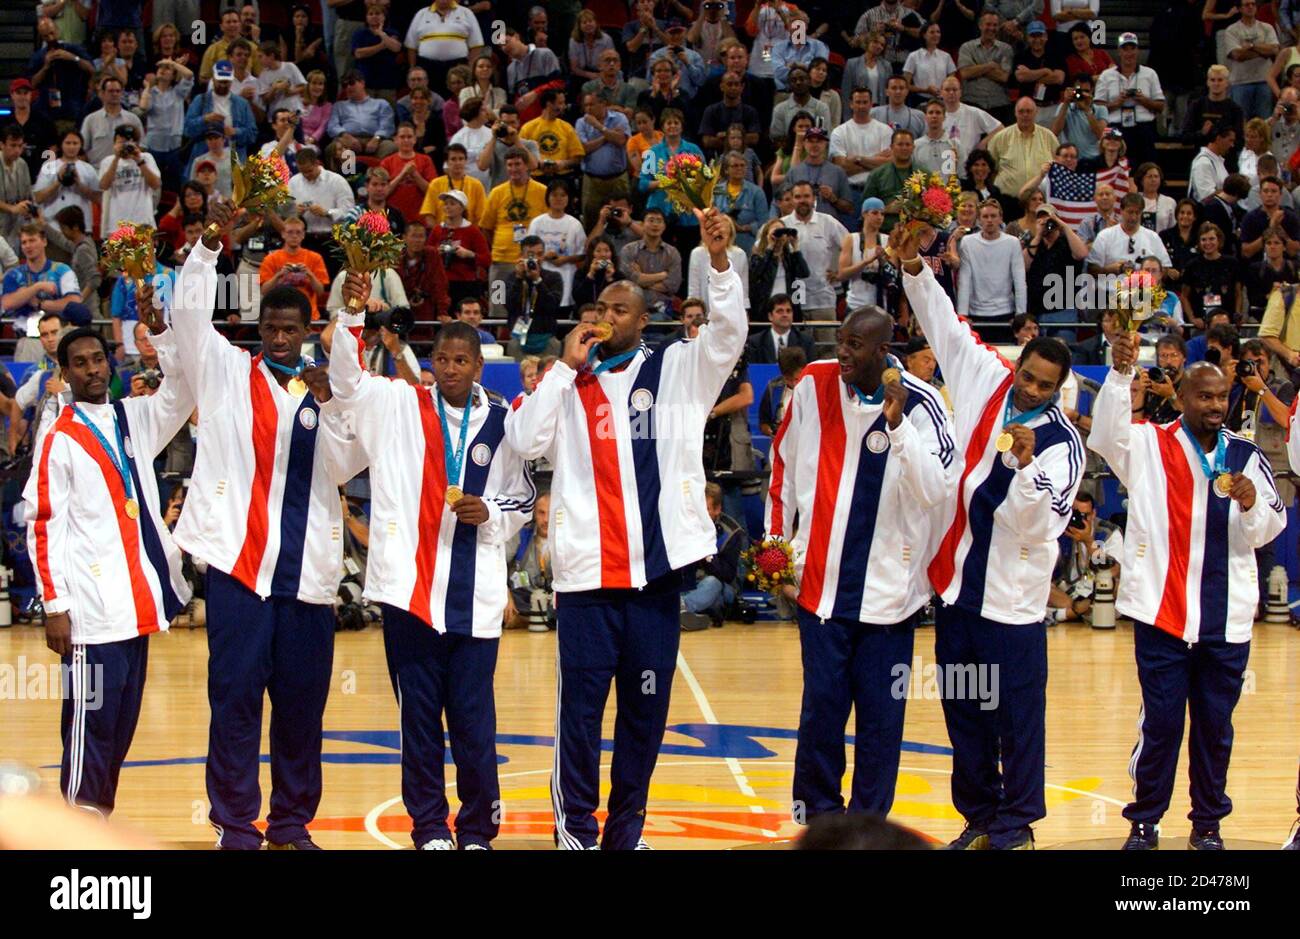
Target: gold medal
{"x": 132, "y": 509}
{"x": 454, "y": 494}
{"x": 1223, "y": 484}
{"x": 891, "y": 376}
{"x": 297, "y": 387}
{"x": 1004, "y": 441}
{"x": 602, "y": 331}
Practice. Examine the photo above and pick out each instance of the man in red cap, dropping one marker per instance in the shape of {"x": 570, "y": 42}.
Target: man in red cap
{"x": 38, "y": 130}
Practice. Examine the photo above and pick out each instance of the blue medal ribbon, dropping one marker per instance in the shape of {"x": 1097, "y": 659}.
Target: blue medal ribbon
{"x": 453, "y": 459}
{"x": 1025, "y": 416}
{"x": 606, "y": 364}
{"x": 879, "y": 394}
{"x": 118, "y": 457}
{"x": 1220, "y": 454}
{"x": 303, "y": 363}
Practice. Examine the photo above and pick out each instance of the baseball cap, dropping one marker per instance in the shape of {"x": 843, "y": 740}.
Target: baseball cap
{"x": 916, "y": 344}
{"x": 78, "y": 314}
{"x": 20, "y": 84}
{"x": 1046, "y": 209}
{"x": 205, "y": 164}
{"x": 816, "y": 133}
{"x": 1127, "y": 39}
{"x": 872, "y": 204}
{"x": 212, "y": 129}
{"x": 1114, "y": 133}
{"x": 457, "y": 195}
{"x": 223, "y": 71}
{"x": 675, "y": 22}
{"x": 1036, "y": 28}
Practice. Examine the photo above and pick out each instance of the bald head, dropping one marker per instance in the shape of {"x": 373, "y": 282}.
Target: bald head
{"x": 862, "y": 345}
{"x": 1203, "y": 394}
{"x": 870, "y": 322}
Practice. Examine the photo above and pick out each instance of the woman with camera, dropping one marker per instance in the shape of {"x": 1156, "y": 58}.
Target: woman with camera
{"x": 598, "y": 269}
{"x": 67, "y": 179}
{"x": 864, "y": 263}
{"x": 740, "y": 199}
{"x": 775, "y": 264}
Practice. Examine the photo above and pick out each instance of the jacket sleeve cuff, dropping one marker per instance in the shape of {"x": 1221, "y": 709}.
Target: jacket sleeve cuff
{"x": 57, "y": 605}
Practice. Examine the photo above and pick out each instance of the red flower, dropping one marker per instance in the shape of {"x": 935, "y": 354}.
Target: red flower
{"x": 280, "y": 168}
{"x": 937, "y": 201}
{"x": 123, "y": 233}
{"x": 374, "y": 223}
{"x": 771, "y": 561}
{"x": 682, "y": 161}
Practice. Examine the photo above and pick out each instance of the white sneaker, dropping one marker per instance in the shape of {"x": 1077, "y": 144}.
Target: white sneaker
{"x": 475, "y": 847}
{"x": 643, "y": 845}
{"x": 438, "y": 844}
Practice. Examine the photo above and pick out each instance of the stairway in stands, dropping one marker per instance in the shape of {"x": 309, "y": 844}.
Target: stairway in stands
{"x": 17, "y": 39}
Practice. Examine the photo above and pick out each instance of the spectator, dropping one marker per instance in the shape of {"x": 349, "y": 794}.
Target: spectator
{"x": 653, "y": 265}
{"x": 743, "y": 201}
{"x": 280, "y": 84}
{"x": 864, "y": 264}
{"x": 608, "y": 84}
{"x": 860, "y": 144}
{"x": 510, "y": 208}
{"x": 98, "y": 127}
{"x": 1225, "y": 209}
{"x": 646, "y": 136}
{"x": 972, "y": 126}
{"x": 461, "y": 245}
{"x": 564, "y": 239}
{"x": 934, "y": 151}
{"x": 1097, "y": 349}
{"x": 1180, "y": 239}
{"x": 1270, "y": 214}
{"x": 927, "y": 67}
{"x": 1037, "y": 71}
{"x": 685, "y": 226}
{"x": 900, "y": 26}
{"x": 1211, "y": 279}
{"x": 698, "y": 265}
{"x": 598, "y": 269}
{"x": 456, "y": 179}
{"x": 895, "y": 112}
{"x": 1213, "y": 110}
{"x": 167, "y": 41}
{"x": 295, "y": 266}
{"x": 443, "y": 35}
{"x": 800, "y": 99}
{"x": 359, "y": 122}
{"x": 717, "y": 579}
{"x": 1258, "y": 137}
{"x": 886, "y": 182}
{"x": 688, "y": 64}
{"x": 557, "y": 142}
{"x": 16, "y": 203}
{"x": 1264, "y": 275}
{"x": 834, "y": 196}
{"x": 61, "y": 71}
{"x": 533, "y": 302}
{"x": 1133, "y": 97}
{"x": 718, "y": 117}
{"x": 768, "y": 23}
{"x": 482, "y": 85}
{"x": 243, "y": 84}
{"x": 350, "y": 18}
{"x": 430, "y": 131}
{"x": 819, "y": 238}
{"x": 1021, "y": 149}
{"x": 1107, "y": 214}
{"x": 505, "y": 137}
{"x": 1051, "y": 257}
{"x": 1113, "y": 165}
{"x": 531, "y": 71}
{"x": 991, "y": 278}
{"x": 67, "y": 231}
{"x": 766, "y": 347}
{"x": 1285, "y": 127}
{"x": 41, "y": 378}
{"x": 130, "y": 182}
{"x": 776, "y": 265}
{"x": 305, "y": 43}
{"x": 1157, "y": 208}
{"x": 984, "y": 65}
{"x": 376, "y": 191}
{"x": 587, "y": 44}
{"x": 1251, "y": 47}
{"x": 452, "y": 119}
{"x": 323, "y": 198}
{"x": 665, "y": 90}
{"x": 36, "y": 286}
{"x": 218, "y": 106}
{"x": 377, "y": 51}
{"x": 869, "y": 70}
{"x": 776, "y": 397}
{"x": 1085, "y": 58}
{"x": 798, "y": 49}
{"x": 470, "y": 310}
{"x": 163, "y": 105}
{"x": 1121, "y": 247}
{"x": 818, "y": 72}
{"x": 708, "y": 31}
{"x": 387, "y": 294}
{"x": 410, "y": 173}
{"x": 1077, "y": 120}
{"x": 217, "y": 158}
{"x": 318, "y": 109}
{"x": 220, "y": 49}
{"x": 37, "y": 130}
{"x": 67, "y": 180}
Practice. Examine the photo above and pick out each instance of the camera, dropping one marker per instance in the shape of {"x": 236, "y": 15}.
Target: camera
{"x": 786, "y": 233}
{"x": 152, "y": 378}
{"x": 1077, "y": 521}
{"x": 69, "y": 176}
{"x": 713, "y": 5}
{"x": 1049, "y": 225}
{"x": 501, "y": 131}
{"x": 448, "y": 248}
{"x": 602, "y": 265}
{"x": 397, "y": 320}
{"x": 1245, "y": 367}
{"x": 1213, "y": 356}
{"x": 870, "y": 276}
{"x": 531, "y": 265}
{"x": 615, "y": 212}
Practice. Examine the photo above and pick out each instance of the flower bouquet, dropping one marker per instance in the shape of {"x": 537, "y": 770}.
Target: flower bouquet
{"x": 259, "y": 183}
{"x": 688, "y": 182}
{"x": 771, "y": 563}
{"x": 130, "y": 250}
{"x": 926, "y": 199}
{"x": 1138, "y": 297}
{"x": 367, "y": 245}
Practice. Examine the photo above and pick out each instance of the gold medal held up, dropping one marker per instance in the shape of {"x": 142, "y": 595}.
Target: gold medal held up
{"x": 297, "y": 387}
{"x": 132, "y": 509}
{"x": 891, "y": 376}
{"x": 454, "y": 494}
{"x": 1004, "y": 441}
{"x": 1223, "y": 484}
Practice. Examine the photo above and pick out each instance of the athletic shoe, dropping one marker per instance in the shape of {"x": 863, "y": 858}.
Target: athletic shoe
{"x": 302, "y": 844}
{"x": 693, "y": 622}
{"x": 643, "y": 845}
{"x": 438, "y": 844}
{"x": 1024, "y": 842}
{"x": 1142, "y": 837}
{"x": 1205, "y": 841}
{"x": 475, "y": 846}
{"x": 970, "y": 839}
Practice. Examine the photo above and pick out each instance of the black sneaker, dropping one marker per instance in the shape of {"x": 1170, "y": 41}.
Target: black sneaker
{"x": 1024, "y": 841}
{"x": 302, "y": 844}
{"x": 970, "y": 839}
{"x": 1142, "y": 837}
{"x": 1205, "y": 841}
{"x": 694, "y": 622}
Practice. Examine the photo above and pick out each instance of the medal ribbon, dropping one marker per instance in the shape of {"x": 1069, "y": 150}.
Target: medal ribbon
{"x": 454, "y": 460}
{"x": 879, "y": 394}
{"x": 1220, "y": 454}
{"x": 1026, "y": 416}
{"x": 303, "y": 364}
{"x": 606, "y": 364}
{"x": 117, "y": 457}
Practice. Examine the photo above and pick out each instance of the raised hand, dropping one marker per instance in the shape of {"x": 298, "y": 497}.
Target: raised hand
{"x": 317, "y": 378}
{"x": 1022, "y": 444}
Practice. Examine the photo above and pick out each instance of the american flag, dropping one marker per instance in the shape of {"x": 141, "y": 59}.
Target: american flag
{"x": 1072, "y": 194}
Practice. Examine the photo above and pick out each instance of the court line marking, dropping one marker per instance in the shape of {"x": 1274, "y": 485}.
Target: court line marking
{"x": 372, "y": 817}
{"x": 733, "y": 764}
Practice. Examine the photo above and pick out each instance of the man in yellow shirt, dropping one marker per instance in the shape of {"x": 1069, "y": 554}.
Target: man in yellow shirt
{"x": 510, "y": 207}
{"x": 1280, "y": 327}
{"x": 455, "y": 178}
{"x": 217, "y": 51}
{"x": 1022, "y": 149}
{"x": 557, "y": 141}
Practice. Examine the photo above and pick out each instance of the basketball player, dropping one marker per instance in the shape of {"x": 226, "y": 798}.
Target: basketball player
{"x": 993, "y": 568}
{"x": 628, "y": 521}
{"x": 446, "y": 494}
{"x": 865, "y": 464}
{"x": 263, "y": 511}
{"x": 108, "y": 571}
{"x": 1200, "y": 501}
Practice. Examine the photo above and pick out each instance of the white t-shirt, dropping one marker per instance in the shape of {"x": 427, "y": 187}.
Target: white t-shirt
{"x": 564, "y": 236}
{"x": 854, "y": 139}
{"x": 697, "y": 273}
{"x": 444, "y": 37}
{"x": 969, "y": 124}
{"x": 475, "y": 141}
{"x": 290, "y": 73}
{"x": 67, "y": 195}
{"x": 129, "y": 198}
{"x": 928, "y": 69}
{"x": 819, "y": 241}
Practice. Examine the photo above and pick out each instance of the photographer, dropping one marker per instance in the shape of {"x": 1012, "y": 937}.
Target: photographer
{"x": 533, "y": 301}
{"x": 461, "y": 246}
{"x": 143, "y": 378}
{"x": 775, "y": 265}
{"x": 1078, "y": 120}
{"x": 295, "y": 266}
{"x": 717, "y": 578}
{"x": 1088, "y": 544}
{"x": 1156, "y": 390}
{"x": 532, "y": 601}
{"x": 1051, "y": 251}
{"x": 130, "y": 182}
{"x": 615, "y": 222}
{"x": 863, "y": 263}
{"x": 597, "y": 270}
{"x": 423, "y": 276}
{"x": 505, "y": 136}
{"x": 1258, "y": 398}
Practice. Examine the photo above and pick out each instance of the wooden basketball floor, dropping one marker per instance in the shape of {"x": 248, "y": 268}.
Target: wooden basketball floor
{"x": 723, "y": 779}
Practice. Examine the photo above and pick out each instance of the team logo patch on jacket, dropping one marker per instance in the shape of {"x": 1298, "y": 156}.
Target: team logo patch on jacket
{"x": 877, "y": 442}
{"x": 643, "y": 399}
{"x": 481, "y": 454}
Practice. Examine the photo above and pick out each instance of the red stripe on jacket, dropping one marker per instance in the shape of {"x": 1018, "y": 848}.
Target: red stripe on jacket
{"x": 830, "y": 467}
{"x": 615, "y": 565}
{"x": 433, "y": 492}
{"x": 1179, "y": 487}
{"x": 266, "y": 419}
{"x": 43, "y": 511}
